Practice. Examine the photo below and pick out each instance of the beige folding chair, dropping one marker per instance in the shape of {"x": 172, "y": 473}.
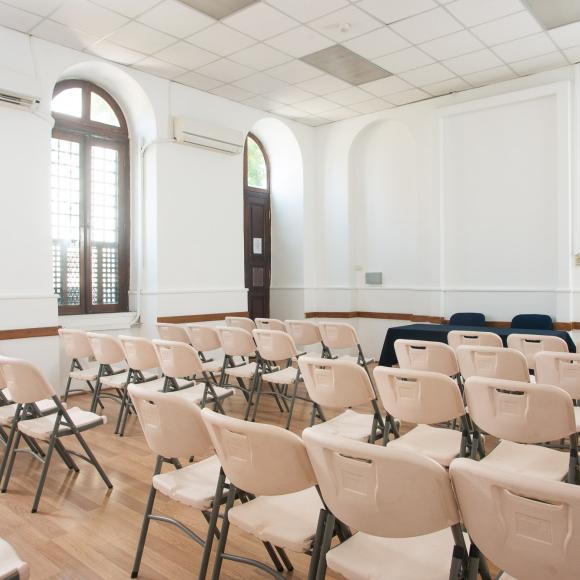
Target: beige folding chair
{"x": 306, "y": 334}
{"x": 522, "y": 415}
{"x": 339, "y": 385}
{"x": 267, "y": 467}
{"x": 341, "y": 336}
{"x": 174, "y": 332}
{"x": 240, "y": 322}
{"x": 531, "y": 344}
{"x": 401, "y": 503}
{"x": 425, "y": 398}
{"x": 527, "y": 527}
{"x": 11, "y": 566}
{"x": 206, "y": 340}
{"x": 456, "y": 338}
{"x": 28, "y": 386}
{"x": 270, "y": 324}
{"x": 173, "y": 428}
{"x": 425, "y": 355}
{"x": 492, "y": 362}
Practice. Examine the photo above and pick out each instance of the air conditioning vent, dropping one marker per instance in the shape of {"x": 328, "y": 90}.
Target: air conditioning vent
{"x": 214, "y": 137}
{"x": 17, "y": 100}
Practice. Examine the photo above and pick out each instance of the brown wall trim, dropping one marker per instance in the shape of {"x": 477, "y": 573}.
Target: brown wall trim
{"x": 15, "y": 333}
{"x": 199, "y": 317}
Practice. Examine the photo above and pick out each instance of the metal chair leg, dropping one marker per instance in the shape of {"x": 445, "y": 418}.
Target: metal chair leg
{"x": 316, "y": 545}
{"x": 46, "y": 465}
{"x": 325, "y": 545}
{"x": 11, "y": 459}
{"x": 223, "y": 534}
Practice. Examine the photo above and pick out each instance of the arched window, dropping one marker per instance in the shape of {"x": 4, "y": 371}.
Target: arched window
{"x": 257, "y": 226}
{"x": 89, "y": 200}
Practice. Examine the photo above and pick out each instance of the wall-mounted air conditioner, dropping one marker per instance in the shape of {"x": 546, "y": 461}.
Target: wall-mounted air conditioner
{"x": 18, "y": 100}
{"x": 209, "y": 136}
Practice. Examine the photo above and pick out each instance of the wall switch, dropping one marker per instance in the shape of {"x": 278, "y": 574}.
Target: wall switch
{"x": 374, "y": 278}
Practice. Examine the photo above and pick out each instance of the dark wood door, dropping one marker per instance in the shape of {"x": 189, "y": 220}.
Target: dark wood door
{"x": 257, "y": 252}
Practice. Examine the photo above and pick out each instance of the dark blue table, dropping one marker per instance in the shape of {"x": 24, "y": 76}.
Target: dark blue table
{"x": 438, "y": 333}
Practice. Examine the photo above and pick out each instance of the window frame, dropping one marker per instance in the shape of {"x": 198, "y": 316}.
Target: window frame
{"x": 90, "y": 133}
{"x": 247, "y": 187}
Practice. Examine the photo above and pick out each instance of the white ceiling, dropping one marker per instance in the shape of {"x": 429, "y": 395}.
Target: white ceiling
{"x": 432, "y": 47}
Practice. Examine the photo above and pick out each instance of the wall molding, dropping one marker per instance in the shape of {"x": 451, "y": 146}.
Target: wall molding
{"x": 210, "y": 317}
{"x": 190, "y": 291}
{"x": 17, "y": 333}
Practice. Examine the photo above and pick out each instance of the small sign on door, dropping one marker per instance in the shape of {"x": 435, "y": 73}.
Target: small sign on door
{"x": 257, "y": 245}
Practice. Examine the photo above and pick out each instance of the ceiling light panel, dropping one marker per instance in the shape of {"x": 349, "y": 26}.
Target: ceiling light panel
{"x": 218, "y": 8}
{"x": 555, "y": 12}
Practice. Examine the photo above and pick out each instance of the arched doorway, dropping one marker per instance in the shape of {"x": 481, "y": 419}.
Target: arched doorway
{"x": 257, "y": 227}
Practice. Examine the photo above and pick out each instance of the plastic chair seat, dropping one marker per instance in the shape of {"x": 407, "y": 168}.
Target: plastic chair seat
{"x": 11, "y": 566}
{"x": 529, "y": 460}
{"x": 365, "y": 557}
{"x": 7, "y": 412}
{"x": 368, "y": 360}
{"x": 309, "y": 354}
{"x": 440, "y": 444}
{"x": 119, "y": 381}
{"x": 285, "y": 376}
{"x": 350, "y": 424}
{"x": 246, "y": 371}
{"x": 287, "y": 521}
{"x": 577, "y": 415}
{"x": 91, "y": 373}
{"x": 193, "y": 485}
{"x": 195, "y": 393}
{"x": 42, "y": 427}
{"x": 212, "y": 366}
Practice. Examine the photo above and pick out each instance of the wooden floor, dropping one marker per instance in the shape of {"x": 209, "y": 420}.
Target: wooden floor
{"x": 82, "y": 531}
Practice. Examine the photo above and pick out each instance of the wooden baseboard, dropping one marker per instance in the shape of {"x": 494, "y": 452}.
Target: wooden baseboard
{"x": 182, "y": 319}
{"x": 16, "y": 333}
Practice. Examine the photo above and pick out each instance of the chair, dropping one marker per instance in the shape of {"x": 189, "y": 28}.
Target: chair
{"x": 305, "y": 334}
{"x": 424, "y": 355}
{"x": 179, "y": 361}
{"x": 28, "y": 386}
{"x": 531, "y": 344}
{"x": 240, "y": 322}
{"x": 270, "y": 324}
{"x": 340, "y": 336}
{"x": 173, "y": 428}
{"x": 528, "y": 527}
{"x": 339, "y": 385}
{"x": 522, "y": 415}
{"x": 11, "y": 566}
{"x": 174, "y": 332}
{"x": 268, "y": 467}
{"x": 456, "y": 338}
{"x": 401, "y": 503}
{"x": 425, "y": 398}
{"x": 533, "y": 322}
{"x": 467, "y": 319}
{"x": 205, "y": 339}
{"x": 274, "y": 346}
{"x": 492, "y": 362}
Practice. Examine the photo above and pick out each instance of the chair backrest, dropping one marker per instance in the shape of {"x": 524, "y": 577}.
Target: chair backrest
{"x": 419, "y": 396}
{"x": 336, "y": 383}
{"x": 338, "y": 335}
{"x": 519, "y": 411}
{"x": 203, "y": 338}
{"x": 258, "y": 458}
{"x": 140, "y": 353}
{"x": 528, "y": 527}
{"x": 174, "y": 332}
{"x": 75, "y": 343}
{"x": 25, "y": 381}
{"x": 270, "y": 324}
{"x": 533, "y": 322}
{"x": 240, "y": 322}
{"x": 274, "y": 345}
{"x": 177, "y": 359}
{"x": 304, "y": 332}
{"x": 456, "y": 338}
{"x": 236, "y": 341}
{"x": 468, "y": 319}
{"x": 560, "y": 369}
{"x": 379, "y": 490}
{"x": 172, "y": 425}
{"x": 107, "y": 349}
{"x": 531, "y": 344}
{"x": 492, "y": 362}
{"x": 424, "y": 355}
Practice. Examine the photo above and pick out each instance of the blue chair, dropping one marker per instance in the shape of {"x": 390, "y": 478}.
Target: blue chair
{"x": 533, "y": 322}
{"x": 468, "y": 319}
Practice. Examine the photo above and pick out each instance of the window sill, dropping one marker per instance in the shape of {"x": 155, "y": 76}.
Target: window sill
{"x": 108, "y": 321}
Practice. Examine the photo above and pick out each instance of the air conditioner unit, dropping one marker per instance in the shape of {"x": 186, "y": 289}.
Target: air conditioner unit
{"x": 18, "y": 100}
{"x": 201, "y": 134}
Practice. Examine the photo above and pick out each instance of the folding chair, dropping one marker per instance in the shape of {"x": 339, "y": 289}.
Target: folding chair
{"x": 340, "y": 336}
{"x": 401, "y": 503}
{"x": 533, "y": 322}
{"x": 174, "y": 332}
{"x": 522, "y": 415}
{"x": 467, "y": 319}
{"x": 270, "y": 324}
{"x": 240, "y": 322}
{"x": 306, "y": 334}
{"x": 456, "y": 338}
{"x": 425, "y": 398}
{"x": 528, "y": 527}
{"x": 206, "y": 340}
{"x": 268, "y": 468}
{"x": 492, "y": 362}
{"x": 339, "y": 385}
{"x": 425, "y": 355}
{"x": 28, "y": 386}
{"x": 173, "y": 428}
{"x": 531, "y": 344}
{"x": 11, "y": 566}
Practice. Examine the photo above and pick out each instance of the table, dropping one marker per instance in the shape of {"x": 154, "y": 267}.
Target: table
{"x": 438, "y": 333}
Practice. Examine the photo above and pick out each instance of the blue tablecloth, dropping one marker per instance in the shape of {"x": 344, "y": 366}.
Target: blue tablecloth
{"x": 438, "y": 333}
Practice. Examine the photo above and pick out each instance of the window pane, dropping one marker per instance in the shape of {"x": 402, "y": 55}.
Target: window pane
{"x": 257, "y": 170}
{"x": 65, "y": 220}
{"x": 104, "y": 225}
{"x": 69, "y": 102}
{"x": 102, "y": 112}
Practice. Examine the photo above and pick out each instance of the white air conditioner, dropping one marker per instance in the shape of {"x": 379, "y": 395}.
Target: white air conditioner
{"x": 18, "y": 100}
{"x": 201, "y": 134}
